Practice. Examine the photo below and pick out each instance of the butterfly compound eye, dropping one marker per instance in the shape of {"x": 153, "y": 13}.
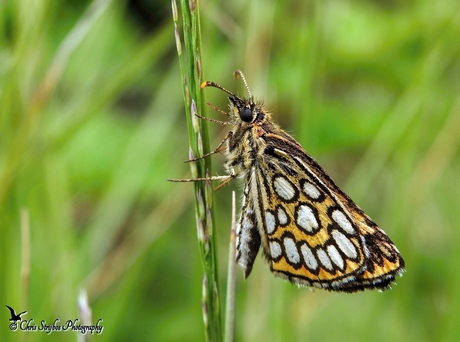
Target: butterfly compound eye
{"x": 246, "y": 114}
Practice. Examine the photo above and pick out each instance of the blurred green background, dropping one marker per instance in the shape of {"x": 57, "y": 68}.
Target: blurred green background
{"x": 92, "y": 124}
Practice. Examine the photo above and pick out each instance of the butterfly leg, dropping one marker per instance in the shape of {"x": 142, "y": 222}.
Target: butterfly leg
{"x": 219, "y": 148}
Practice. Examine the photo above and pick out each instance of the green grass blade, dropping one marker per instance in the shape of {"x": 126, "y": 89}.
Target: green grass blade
{"x": 190, "y": 65}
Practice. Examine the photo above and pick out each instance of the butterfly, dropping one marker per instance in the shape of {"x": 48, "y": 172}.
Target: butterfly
{"x": 309, "y": 230}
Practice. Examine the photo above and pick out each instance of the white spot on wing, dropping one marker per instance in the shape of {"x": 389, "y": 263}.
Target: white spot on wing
{"x": 367, "y": 253}
{"x": 335, "y": 256}
{"x": 342, "y": 221}
{"x": 291, "y": 250}
{"x": 270, "y": 222}
{"x": 284, "y": 188}
{"x": 309, "y": 257}
{"x": 275, "y": 249}
{"x": 282, "y": 216}
{"x": 306, "y": 219}
{"x": 324, "y": 259}
{"x": 345, "y": 245}
{"x": 311, "y": 191}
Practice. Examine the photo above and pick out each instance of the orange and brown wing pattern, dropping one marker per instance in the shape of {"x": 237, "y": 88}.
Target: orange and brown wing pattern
{"x": 313, "y": 234}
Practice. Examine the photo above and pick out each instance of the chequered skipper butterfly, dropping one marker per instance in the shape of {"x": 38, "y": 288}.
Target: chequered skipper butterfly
{"x": 310, "y": 231}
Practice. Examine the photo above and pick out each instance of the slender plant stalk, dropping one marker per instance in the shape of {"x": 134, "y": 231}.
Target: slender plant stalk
{"x": 231, "y": 282}
{"x": 85, "y": 314}
{"x": 190, "y": 66}
{"x": 25, "y": 257}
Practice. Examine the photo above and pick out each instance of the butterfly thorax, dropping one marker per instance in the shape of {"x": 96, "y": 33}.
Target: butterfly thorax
{"x": 253, "y": 135}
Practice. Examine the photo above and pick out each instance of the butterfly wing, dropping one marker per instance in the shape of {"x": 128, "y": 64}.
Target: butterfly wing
{"x": 247, "y": 234}
{"x": 311, "y": 232}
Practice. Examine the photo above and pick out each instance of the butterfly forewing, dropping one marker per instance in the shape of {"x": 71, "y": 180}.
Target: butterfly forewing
{"x": 310, "y": 231}
{"x": 312, "y": 240}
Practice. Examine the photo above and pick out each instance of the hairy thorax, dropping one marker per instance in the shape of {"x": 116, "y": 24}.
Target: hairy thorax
{"x": 244, "y": 147}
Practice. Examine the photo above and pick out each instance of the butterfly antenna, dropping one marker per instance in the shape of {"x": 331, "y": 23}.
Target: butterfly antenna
{"x": 239, "y": 73}
{"x": 215, "y": 85}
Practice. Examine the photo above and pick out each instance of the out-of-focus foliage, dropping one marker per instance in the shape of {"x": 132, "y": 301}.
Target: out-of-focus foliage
{"x": 91, "y": 125}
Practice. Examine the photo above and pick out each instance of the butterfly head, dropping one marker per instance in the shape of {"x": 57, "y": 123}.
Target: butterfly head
{"x": 242, "y": 111}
